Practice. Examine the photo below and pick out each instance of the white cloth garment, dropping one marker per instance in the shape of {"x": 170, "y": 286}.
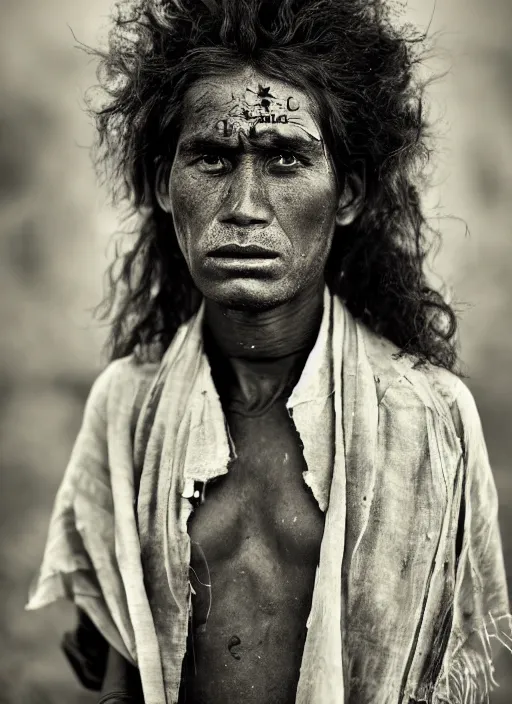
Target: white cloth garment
{"x": 410, "y": 589}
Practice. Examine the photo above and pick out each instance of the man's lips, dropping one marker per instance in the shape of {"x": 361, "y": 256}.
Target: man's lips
{"x": 246, "y": 251}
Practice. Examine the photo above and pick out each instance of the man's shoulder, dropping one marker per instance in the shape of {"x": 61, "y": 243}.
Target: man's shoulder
{"x": 394, "y": 370}
{"x": 123, "y": 382}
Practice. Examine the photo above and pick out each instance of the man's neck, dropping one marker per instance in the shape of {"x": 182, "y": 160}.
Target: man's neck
{"x": 274, "y": 333}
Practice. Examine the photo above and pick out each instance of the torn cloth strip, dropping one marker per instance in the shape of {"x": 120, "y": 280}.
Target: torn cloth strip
{"x": 410, "y": 589}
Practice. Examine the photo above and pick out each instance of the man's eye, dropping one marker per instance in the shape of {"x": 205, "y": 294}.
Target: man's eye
{"x": 285, "y": 160}
{"x": 213, "y": 163}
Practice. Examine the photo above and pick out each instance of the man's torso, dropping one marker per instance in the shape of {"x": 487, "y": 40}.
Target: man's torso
{"x": 256, "y": 541}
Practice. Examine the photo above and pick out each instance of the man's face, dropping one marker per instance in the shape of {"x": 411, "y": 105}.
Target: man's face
{"x": 252, "y": 191}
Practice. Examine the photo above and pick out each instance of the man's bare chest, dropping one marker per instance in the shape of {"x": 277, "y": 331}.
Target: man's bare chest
{"x": 263, "y": 499}
{"x": 255, "y": 544}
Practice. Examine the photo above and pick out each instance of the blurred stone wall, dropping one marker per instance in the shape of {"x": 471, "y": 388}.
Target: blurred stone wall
{"x": 55, "y": 228}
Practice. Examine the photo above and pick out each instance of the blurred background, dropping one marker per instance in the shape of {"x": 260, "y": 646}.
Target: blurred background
{"x": 56, "y": 239}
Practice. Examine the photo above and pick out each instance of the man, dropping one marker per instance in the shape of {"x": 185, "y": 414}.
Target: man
{"x": 280, "y": 492}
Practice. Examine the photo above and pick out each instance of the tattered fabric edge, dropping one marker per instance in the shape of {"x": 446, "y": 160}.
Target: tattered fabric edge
{"x": 470, "y": 676}
{"x": 78, "y": 588}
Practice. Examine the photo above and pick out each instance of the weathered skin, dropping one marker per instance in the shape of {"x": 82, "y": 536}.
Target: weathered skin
{"x": 256, "y": 539}
{"x": 253, "y": 183}
{"x": 251, "y": 169}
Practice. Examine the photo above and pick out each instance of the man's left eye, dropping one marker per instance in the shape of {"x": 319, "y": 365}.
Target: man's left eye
{"x": 286, "y": 160}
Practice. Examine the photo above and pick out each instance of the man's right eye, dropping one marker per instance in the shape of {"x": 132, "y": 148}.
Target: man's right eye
{"x": 213, "y": 164}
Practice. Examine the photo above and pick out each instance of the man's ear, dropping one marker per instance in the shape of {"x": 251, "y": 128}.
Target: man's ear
{"x": 163, "y": 197}
{"x": 351, "y": 200}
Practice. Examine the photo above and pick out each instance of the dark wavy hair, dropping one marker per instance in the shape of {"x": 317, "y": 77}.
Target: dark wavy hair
{"x": 361, "y": 70}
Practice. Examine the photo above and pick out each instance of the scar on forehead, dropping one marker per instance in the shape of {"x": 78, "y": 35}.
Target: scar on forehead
{"x": 242, "y": 112}
{"x": 240, "y": 105}
{"x": 264, "y": 94}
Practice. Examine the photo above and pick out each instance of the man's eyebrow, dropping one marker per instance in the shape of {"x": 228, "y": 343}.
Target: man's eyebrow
{"x": 198, "y": 145}
{"x": 286, "y": 143}
{"x": 266, "y": 140}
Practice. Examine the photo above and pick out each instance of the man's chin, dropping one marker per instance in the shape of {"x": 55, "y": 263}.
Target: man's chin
{"x": 247, "y": 294}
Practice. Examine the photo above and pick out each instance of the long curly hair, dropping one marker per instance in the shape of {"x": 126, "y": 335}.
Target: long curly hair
{"x": 360, "y": 67}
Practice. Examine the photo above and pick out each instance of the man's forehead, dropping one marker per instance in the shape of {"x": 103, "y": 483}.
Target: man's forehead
{"x": 248, "y": 103}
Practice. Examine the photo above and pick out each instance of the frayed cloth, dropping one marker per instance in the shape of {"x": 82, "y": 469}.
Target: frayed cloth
{"x": 410, "y": 593}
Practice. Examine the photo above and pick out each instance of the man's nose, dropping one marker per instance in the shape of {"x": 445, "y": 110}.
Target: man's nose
{"x": 246, "y": 201}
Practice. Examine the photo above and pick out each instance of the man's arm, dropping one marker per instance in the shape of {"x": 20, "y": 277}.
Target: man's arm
{"x": 98, "y": 666}
{"x": 86, "y": 651}
{"x": 122, "y": 683}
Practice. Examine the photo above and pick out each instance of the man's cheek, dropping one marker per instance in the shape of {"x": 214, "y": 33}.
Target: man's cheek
{"x": 195, "y": 205}
{"x": 184, "y": 216}
{"x": 183, "y": 207}
{"x": 179, "y": 224}
{"x": 318, "y": 214}
{"x": 183, "y": 228}
{"x": 306, "y": 208}
{"x": 183, "y": 245}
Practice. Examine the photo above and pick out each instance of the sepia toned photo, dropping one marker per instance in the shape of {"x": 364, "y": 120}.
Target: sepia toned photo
{"x": 257, "y": 403}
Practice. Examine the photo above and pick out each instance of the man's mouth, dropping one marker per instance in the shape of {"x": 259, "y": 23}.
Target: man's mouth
{"x": 240, "y": 251}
